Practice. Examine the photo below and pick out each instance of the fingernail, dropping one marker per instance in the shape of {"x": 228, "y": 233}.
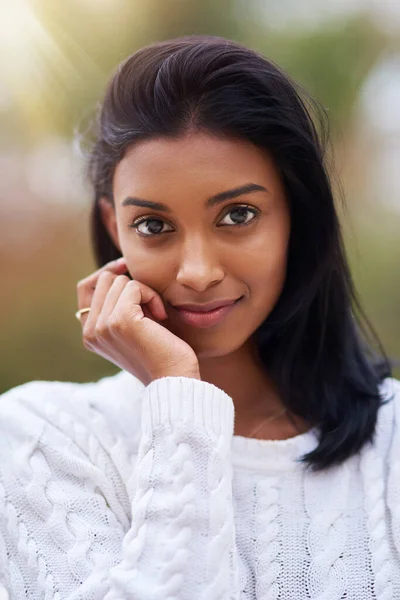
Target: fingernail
{"x": 120, "y": 260}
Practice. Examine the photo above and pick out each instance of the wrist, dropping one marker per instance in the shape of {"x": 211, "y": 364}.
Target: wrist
{"x": 192, "y": 372}
{"x": 195, "y": 374}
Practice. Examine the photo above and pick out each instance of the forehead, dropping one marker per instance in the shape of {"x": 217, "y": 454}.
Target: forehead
{"x": 198, "y": 160}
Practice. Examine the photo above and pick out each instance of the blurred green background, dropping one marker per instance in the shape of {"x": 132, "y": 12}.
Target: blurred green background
{"x": 56, "y": 58}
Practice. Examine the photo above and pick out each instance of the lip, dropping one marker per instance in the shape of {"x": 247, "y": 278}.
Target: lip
{"x": 204, "y": 307}
{"x": 203, "y": 316}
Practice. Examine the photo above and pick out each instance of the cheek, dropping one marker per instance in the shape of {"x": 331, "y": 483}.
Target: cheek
{"x": 146, "y": 268}
{"x": 266, "y": 286}
{"x": 266, "y": 273}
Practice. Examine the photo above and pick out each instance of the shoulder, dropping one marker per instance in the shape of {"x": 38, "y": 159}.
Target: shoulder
{"x": 391, "y": 390}
{"x": 389, "y": 440}
{"x": 67, "y": 451}
{"x": 56, "y": 412}
{"x": 386, "y": 440}
{"x": 389, "y": 413}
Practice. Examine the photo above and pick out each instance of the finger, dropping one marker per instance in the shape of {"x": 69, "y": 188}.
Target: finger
{"x": 86, "y": 286}
{"x": 111, "y": 299}
{"x": 89, "y": 319}
{"x": 151, "y": 300}
{"x": 103, "y": 286}
{"x": 86, "y": 299}
{"x": 134, "y": 295}
{"x": 116, "y": 266}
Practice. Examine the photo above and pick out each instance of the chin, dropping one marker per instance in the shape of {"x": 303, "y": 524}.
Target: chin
{"x": 211, "y": 353}
{"x": 207, "y": 343}
{"x": 214, "y": 350}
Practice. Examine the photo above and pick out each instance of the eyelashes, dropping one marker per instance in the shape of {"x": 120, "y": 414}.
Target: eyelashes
{"x": 240, "y": 210}
{"x": 156, "y": 223}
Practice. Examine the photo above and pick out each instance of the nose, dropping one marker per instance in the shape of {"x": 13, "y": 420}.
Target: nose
{"x": 199, "y": 266}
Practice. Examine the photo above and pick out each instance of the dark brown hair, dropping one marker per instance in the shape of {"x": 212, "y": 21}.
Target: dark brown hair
{"x": 312, "y": 344}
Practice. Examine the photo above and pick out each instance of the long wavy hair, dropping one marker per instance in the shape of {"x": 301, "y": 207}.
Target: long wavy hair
{"x": 316, "y": 344}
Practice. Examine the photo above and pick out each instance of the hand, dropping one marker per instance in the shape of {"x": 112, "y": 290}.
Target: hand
{"x": 118, "y": 328}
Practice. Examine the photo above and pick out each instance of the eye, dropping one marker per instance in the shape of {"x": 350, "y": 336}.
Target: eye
{"x": 239, "y": 215}
{"x": 154, "y": 226}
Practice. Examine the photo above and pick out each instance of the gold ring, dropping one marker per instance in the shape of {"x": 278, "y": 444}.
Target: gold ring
{"x": 80, "y": 312}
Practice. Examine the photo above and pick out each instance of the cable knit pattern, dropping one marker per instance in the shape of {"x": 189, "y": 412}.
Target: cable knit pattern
{"x": 178, "y": 529}
{"x": 393, "y": 493}
{"x": 28, "y": 551}
{"x": 117, "y": 491}
{"x": 173, "y": 551}
{"x": 219, "y": 559}
{"x": 372, "y": 469}
{"x": 267, "y": 549}
{"x": 4, "y": 574}
{"x": 89, "y": 443}
{"x": 326, "y": 535}
{"x": 134, "y": 541}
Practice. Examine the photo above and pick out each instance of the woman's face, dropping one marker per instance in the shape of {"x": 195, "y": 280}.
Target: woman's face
{"x": 200, "y": 245}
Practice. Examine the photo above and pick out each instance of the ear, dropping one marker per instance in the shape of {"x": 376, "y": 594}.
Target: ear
{"x": 108, "y": 216}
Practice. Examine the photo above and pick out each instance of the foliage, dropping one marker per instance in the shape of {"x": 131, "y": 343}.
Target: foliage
{"x": 81, "y": 43}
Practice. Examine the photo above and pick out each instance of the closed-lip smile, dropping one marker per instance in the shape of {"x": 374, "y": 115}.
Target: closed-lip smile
{"x": 207, "y": 315}
{"x": 205, "y": 307}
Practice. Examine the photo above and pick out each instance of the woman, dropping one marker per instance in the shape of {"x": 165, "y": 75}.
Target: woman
{"x": 250, "y": 445}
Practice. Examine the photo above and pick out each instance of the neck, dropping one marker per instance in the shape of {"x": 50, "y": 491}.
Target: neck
{"x": 242, "y": 376}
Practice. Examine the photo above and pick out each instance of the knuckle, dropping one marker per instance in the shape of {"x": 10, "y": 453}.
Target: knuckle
{"x": 81, "y": 284}
{"x": 88, "y": 337}
{"x": 106, "y": 275}
{"x": 120, "y": 278}
{"x": 88, "y": 344}
{"x": 114, "y": 323}
{"x": 100, "y": 329}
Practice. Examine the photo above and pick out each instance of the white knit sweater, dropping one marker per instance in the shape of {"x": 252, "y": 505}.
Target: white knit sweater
{"x": 116, "y": 491}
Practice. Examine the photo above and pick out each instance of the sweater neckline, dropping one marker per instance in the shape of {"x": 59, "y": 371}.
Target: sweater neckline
{"x": 264, "y": 455}
{"x": 273, "y": 455}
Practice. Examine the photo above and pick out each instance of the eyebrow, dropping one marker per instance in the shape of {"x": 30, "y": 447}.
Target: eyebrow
{"x": 212, "y": 201}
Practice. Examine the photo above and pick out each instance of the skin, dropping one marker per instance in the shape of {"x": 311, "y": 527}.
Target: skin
{"x": 202, "y": 255}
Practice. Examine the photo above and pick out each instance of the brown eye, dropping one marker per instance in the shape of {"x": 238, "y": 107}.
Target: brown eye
{"x": 150, "y": 227}
{"x": 240, "y": 215}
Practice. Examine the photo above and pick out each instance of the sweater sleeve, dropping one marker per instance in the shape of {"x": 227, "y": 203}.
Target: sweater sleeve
{"x": 181, "y": 543}
{"x": 173, "y": 538}
{"x": 392, "y": 389}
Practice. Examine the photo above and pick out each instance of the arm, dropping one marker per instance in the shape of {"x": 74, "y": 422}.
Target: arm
{"x": 391, "y": 389}
{"x": 72, "y": 536}
{"x": 181, "y": 543}
{"x": 4, "y": 571}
